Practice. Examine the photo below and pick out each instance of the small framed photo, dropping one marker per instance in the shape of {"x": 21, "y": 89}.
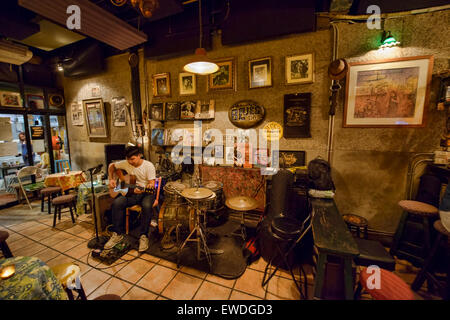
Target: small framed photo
{"x": 10, "y": 99}
{"x": 157, "y": 111}
{"x": 205, "y": 109}
{"x": 292, "y": 158}
{"x": 157, "y": 137}
{"x": 224, "y": 78}
{"x": 188, "y": 110}
{"x": 35, "y": 101}
{"x": 95, "y": 118}
{"x": 161, "y": 84}
{"x": 119, "y": 111}
{"x": 188, "y": 84}
{"x": 260, "y": 73}
{"x": 172, "y": 111}
{"x": 300, "y": 69}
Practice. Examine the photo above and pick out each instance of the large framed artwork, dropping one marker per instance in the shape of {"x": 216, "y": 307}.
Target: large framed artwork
{"x": 161, "y": 84}
{"x": 119, "y": 112}
{"x": 300, "y": 68}
{"x": 388, "y": 93}
{"x": 224, "y": 78}
{"x": 10, "y": 99}
{"x": 260, "y": 73}
{"x": 95, "y": 118}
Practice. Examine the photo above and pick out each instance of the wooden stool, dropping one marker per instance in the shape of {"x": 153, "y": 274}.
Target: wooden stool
{"x": 3, "y": 245}
{"x": 418, "y": 214}
{"x": 60, "y": 202}
{"x": 49, "y": 192}
{"x": 357, "y": 223}
{"x": 392, "y": 287}
{"x": 427, "y": 272}
{"x": 136, "y": 208}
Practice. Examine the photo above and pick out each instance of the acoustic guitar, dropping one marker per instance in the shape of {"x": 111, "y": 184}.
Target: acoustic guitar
{"x": 125, "y": 186}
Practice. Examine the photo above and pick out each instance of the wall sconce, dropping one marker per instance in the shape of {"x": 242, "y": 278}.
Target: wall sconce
{"x": 388, "y": 40}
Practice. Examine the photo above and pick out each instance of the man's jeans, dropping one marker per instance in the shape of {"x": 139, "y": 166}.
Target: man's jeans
{"x": 121, "y": 203}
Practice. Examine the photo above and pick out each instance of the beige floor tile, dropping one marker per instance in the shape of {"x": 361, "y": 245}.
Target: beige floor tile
{"x": 47, "y": 254}
{"x": 92, "y": 280}
{"x": 182, "y": 287}
{"x": 44, "y": 234}
{"x": 34, "y": 229}
{"x": 168, "y": 264}
{"x": 157, "y": 278}
{"x": 270, "y": 296}
{"x": 250, "y": 282}
{"x": 67, "y": 244}
{"x": 149, "y": 257}
{"x": 237, "y": 295}
{"x": 137, "y": 293}
{"x": 82, "y": 230}
{"x": 135, "y": 270}
{"x": 24, "y": 225}
{"x": 259, "y": 265}
{"x": 82, "y": 263}
{"x": 13, "y": 236}
{"x": 30, "y": 250}
{"x": 222, "y": 281}
{"x": 111, "y": 286}
{"x": 18, "y": 244}
{"x": 61, "y": 259}
{"x": 113, "y": 268}
{"x": 54, "y": 240}
{"x": 283, "y": 288}
{"x": 79, "y": 251}
{"x": 212, "y": 291}
{"x": 193, "y": 272}
{"x": 161, "y": 298}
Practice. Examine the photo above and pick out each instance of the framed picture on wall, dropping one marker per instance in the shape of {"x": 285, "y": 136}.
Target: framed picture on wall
{"x": 10, "y": 99}
{"x": 388, "y": 93}
{"x": 224, "y": 78}
{"x": 172, "y": 111}
{"x": 300, "y": 68}
{"x": 77, "y": 113}
{"x": 35, "y": 101}
{"x": 188, "y": 84}
{"x": 157, "y": 111}
{"x": 205, "y": 109}
{"x": 188, "y": 110}
{"x": 94, "y": 111}
{"x": 260, "y": 73}
{"x": 161, "y": 84}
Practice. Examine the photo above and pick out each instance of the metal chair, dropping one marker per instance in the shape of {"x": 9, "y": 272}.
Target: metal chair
{"x": 60, "y": 165}
{"x": 33, "y": 186}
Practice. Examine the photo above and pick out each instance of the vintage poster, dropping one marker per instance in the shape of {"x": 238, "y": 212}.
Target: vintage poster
{"x": 297, "y": 115}
{"x": 119, "y": 112}
{"x": 77, "y": 113}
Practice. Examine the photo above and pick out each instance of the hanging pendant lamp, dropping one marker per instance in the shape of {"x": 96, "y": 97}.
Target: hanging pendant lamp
{"x": 200, "y": 64}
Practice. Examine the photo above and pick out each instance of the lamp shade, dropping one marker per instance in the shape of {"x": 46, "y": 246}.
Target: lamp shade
{"x": 389, "y": 41}
{"x": 200, "y": 64}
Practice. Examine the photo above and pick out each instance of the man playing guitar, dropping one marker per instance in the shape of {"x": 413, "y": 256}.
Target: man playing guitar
{"x": 145, "y": 174}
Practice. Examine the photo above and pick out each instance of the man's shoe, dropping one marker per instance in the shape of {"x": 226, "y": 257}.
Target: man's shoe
{"x": 115, "y": 239}
{"x": 143, "y": 243}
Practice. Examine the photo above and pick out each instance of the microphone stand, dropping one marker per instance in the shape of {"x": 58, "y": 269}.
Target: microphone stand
{"x": 95, "y": 243}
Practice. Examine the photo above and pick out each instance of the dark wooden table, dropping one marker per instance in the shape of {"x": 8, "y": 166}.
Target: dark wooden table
{"x": 332, "y": 237}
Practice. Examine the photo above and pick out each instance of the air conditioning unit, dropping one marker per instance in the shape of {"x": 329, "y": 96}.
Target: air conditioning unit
{"x": 13, "y": 53}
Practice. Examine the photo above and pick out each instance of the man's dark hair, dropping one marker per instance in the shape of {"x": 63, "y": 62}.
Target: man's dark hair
{"x": 131, "y": 151}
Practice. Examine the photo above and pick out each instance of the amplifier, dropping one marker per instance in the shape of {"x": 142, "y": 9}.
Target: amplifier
{"x": 103, "y": 202}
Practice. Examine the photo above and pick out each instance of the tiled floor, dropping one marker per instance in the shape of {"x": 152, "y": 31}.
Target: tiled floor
{"x": 146, "y": 277}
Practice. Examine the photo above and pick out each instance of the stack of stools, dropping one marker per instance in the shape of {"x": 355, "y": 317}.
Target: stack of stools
{"x": 3, "y": 245}
{"x": 63, "y": 201}
{"x": 416, "y": 216}
{"x": 427, "y": 272}
{"x": 391, "y": 287}
{"x": 49, "y": 193}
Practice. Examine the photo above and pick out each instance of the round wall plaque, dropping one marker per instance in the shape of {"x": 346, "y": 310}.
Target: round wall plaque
{"x": 246, "y": 114}
{"x": 56, "y": 100}
{"x": 274, "y": 131}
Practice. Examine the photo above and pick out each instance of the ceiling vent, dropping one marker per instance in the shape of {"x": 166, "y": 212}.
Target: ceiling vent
{"x": 13, "y": 53}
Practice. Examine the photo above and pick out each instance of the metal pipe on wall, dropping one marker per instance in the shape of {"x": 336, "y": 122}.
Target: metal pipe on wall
{"x": 331, "y": 116}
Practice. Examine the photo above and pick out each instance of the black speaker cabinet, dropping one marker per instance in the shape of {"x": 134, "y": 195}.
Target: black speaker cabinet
{"x": 114, "y": 152}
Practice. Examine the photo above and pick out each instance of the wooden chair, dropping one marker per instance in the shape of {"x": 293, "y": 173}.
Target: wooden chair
{"x": 61, "y": 201}
{"x": 49, "y": 193}
{"x": 30, "y": 171}
{"x": 60, "y": 165}
{"x": 138, "y": 208}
